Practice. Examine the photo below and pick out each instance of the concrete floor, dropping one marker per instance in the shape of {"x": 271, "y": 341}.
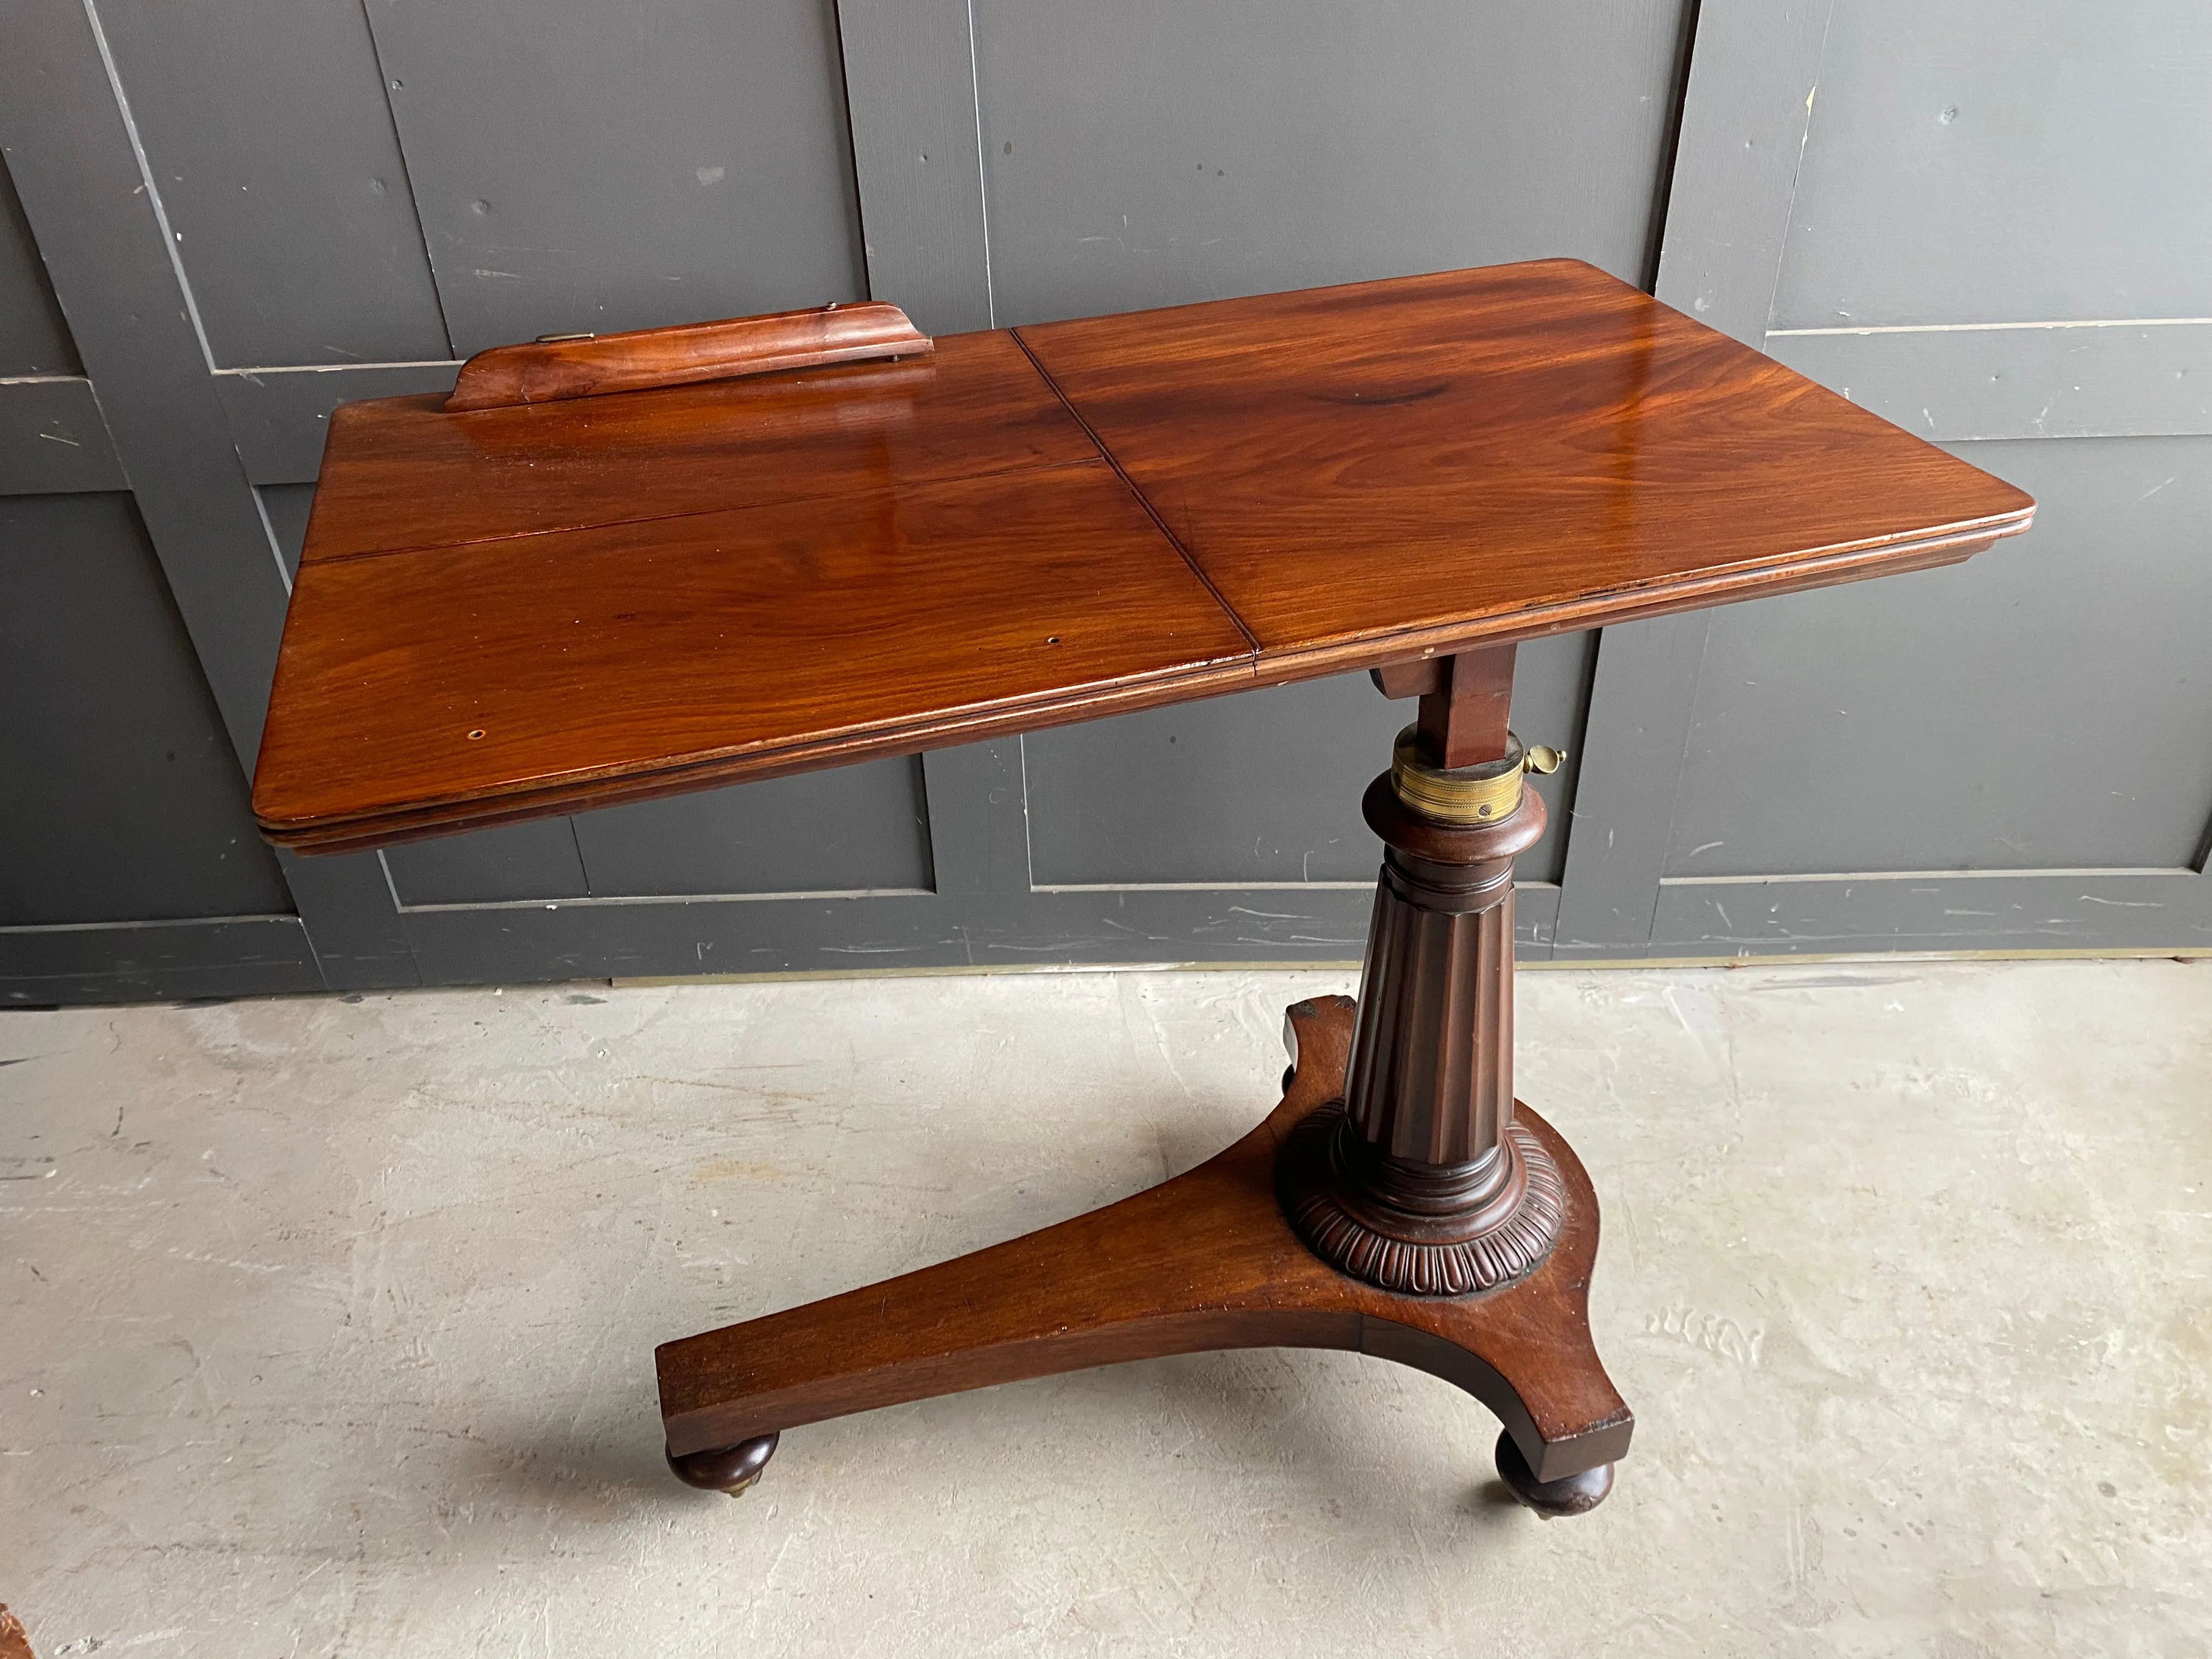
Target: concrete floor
{"x": 326, "y": 1326}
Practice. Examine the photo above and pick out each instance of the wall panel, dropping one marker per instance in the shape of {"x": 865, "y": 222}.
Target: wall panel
{"x": 264, "y": 123}
{"x": 605, "y": 168}
{"x": 514, "y": 862}
{"x": 2005, "y": 161}
{"x": 1259, "y": 788}
{"x": 1982, "y": 243}
{"x": 1156, "y": 152}
{"x": 854, "y": 828}
{"x": 2043, "y": 705}
{"x": 124, "y": 802}
{"x": 33, "y": 338}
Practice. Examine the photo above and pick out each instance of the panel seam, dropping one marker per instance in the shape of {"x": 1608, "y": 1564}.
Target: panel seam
{"x": 170, "y": 237}
{"x": 385, "y": 84}
{"x": 1143, "y": 500}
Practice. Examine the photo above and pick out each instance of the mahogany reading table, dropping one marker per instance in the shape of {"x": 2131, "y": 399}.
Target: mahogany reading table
{"x": 616, "y": 568}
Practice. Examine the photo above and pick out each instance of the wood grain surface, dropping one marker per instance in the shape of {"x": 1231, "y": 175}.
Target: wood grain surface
{"x": 544, "y": 666}
{"x": 400, "y": 472}
{"x": 660, "y": 591}
{"x": 548, "y": 370}
{"x": 1408, "y": 461}
{"x": 1203, "y": 1261}
{"x": 1463, "y": 718}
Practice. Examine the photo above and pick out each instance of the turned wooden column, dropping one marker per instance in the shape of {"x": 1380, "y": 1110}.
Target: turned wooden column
{"x": 1418, "y": 1180}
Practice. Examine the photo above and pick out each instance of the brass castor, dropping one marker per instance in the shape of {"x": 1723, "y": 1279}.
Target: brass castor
{"x": 1577, "y": 1494}
{"x": 725, "y": 1468}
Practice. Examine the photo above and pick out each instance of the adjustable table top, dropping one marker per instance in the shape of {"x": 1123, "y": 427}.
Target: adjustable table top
{"x": 541, "y": 608}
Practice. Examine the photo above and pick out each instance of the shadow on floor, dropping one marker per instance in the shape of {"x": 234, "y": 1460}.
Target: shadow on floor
{"x": 1316, "y": 1432}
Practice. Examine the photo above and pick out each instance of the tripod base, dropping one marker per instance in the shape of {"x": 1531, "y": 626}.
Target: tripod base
{"x": 1203, "y": 1261}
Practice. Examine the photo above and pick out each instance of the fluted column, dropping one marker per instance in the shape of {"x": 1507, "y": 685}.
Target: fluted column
{"x": 1418, "y": 1181}
{"x": 1432, "y": 1059}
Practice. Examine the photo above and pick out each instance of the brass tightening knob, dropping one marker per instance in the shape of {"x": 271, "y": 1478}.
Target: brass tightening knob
{"x": 1467, "y": 795}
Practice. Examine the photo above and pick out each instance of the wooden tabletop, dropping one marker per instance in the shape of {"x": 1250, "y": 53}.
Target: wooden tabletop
{"x": 537, "y": 609}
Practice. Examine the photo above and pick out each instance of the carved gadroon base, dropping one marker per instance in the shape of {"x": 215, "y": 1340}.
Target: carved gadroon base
{"x": 1437, "y": 1230}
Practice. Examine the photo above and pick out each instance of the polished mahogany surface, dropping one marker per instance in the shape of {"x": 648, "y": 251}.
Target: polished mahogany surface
{"x": 531, "y": 610}
{"x": 401, "y": 472}
{"x": 554, "y": 367}
{"x": 547, "y": 664}
{"x": 1536, "y": 445}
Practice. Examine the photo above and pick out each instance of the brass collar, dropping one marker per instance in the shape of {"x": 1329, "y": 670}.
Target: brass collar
{"x": 1469, "y": 795}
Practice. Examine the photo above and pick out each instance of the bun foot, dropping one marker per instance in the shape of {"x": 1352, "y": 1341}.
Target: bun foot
{"x": 1577, "y": 1494}
{"x": 726, "y": 1468}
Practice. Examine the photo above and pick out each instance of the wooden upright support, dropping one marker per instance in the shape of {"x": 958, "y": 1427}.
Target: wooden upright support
{"x": 1420, "y": 1181}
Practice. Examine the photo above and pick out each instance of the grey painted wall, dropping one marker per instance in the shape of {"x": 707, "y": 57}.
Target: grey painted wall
{"x": 1263, "y": 787}
{"x": 2044, "y": 706}
{"x": 1993, "y": 239}
{"x": 129, "y": 863}
{"x": 1156, "y": 152}
{"x": 124, "y": 802}
{"x": 234, "y": 216}
{"x": 34, "y": 339}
